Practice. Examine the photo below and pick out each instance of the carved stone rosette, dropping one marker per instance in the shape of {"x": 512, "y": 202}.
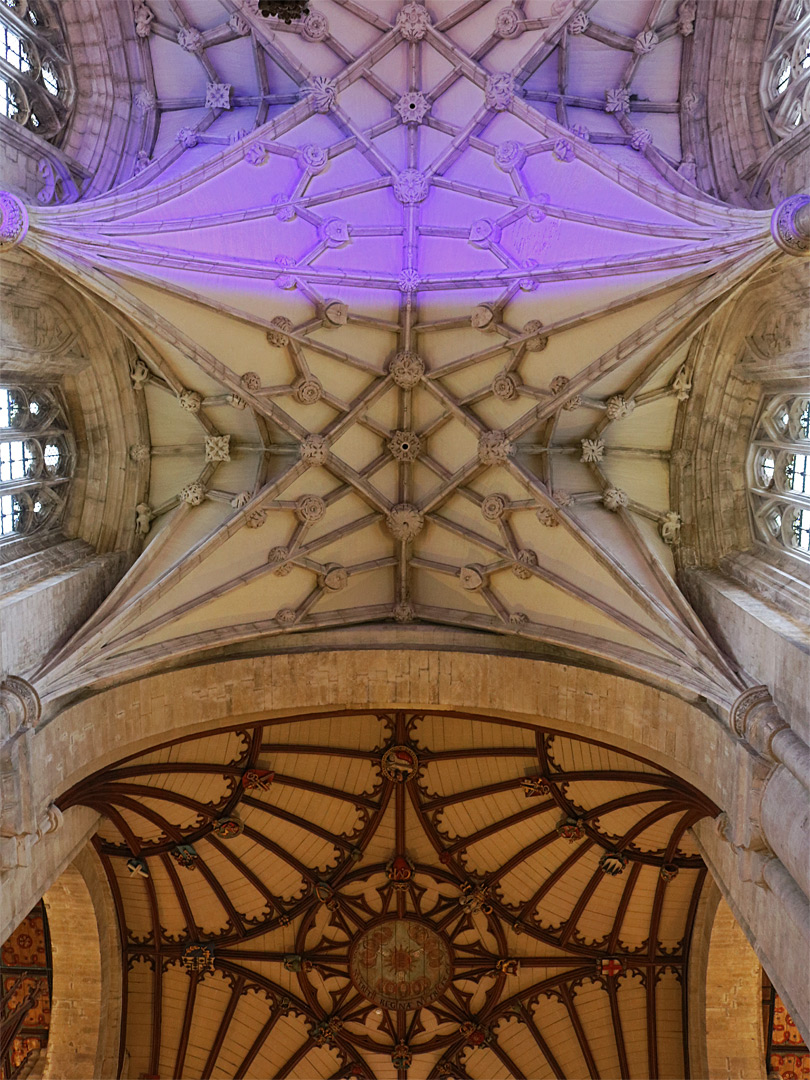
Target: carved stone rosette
{"x": 13, "y": 220}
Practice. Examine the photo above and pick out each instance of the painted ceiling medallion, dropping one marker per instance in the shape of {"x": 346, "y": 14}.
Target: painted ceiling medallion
{"x": 400, "y": 963}
{"x": 399, "y": 763}
{"x": 185, "y": 855}
{"x": 227, "y": 828}
{"x": 258, "y": 779}
{"x": 534, "y": 786}
{"x": 399, "y": 872}
{"x": 198, "y": 958}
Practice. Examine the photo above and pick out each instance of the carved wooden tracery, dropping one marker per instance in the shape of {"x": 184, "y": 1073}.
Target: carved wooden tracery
{"x": 555, "y": 935}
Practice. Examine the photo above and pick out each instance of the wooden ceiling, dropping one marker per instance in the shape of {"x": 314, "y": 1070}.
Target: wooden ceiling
{"x": 238, "y": 946}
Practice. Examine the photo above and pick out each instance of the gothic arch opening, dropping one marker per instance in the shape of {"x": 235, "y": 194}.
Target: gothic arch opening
{"x": 87, "y": 986}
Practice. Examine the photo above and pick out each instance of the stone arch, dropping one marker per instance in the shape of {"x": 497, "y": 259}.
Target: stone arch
{"x": 87, "y": 984}
{"x": 753, "y": 597}
{"x": 724, "y": 123}
{"x": 733, "y": 1001}
{"x": 106, "y": 129}
{"x": 683, "y": 737}
{"x": 725, "y": 993}
{"x": 56, "y": 576}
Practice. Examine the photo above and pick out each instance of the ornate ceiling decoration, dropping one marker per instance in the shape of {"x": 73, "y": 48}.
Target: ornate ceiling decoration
{"x": 374, "y": 895}
{"x": 25, "y": 994}
{"x": 413, "y": 349}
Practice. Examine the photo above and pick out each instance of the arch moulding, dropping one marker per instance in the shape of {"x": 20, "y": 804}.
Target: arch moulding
{"x": 92, "y": 733}
{"x": 684, "y": 738}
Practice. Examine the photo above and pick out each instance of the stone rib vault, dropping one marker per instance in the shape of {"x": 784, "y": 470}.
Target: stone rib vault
{"x": 412, "y": 349}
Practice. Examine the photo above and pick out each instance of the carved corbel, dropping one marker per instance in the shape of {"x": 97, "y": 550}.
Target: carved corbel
{"x": 751, "y": 850}
{"x": 17, "y": 818}
{"x": 752, "y": 863}
{"x": 755, "y": 718}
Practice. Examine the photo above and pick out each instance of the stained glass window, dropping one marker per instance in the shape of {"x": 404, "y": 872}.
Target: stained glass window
{"x": 36, "y": 459}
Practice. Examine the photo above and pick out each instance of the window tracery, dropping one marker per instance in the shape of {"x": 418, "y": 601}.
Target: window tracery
{"x": 36, "y": 460}
{"x": 35, "y": 77}
{"x": 785, "y": 83}
{"x": 779, "y": 473}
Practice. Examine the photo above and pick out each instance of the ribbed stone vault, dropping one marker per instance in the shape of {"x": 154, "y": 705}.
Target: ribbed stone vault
{"x": 413, "y": 348}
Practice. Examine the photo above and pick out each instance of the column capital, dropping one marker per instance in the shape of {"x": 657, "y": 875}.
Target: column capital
{"x": 13, "y": 220}
{"x": 19, "y": 705}
{"x": 790, "y": 225}
{"x": 741, "y": 712}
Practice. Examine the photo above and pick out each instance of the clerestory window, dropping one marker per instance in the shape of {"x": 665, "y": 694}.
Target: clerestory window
{"x": 36, "y": 460}
{"x": 35, "y": 77}
{"x": 785, "y": 82}
{"x": 779, "y": 473}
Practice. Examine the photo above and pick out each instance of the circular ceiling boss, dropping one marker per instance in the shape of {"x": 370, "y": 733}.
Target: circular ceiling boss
{"x": 400, "y": 963}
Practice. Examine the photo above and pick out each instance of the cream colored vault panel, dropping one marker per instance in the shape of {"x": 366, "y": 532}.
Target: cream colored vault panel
{"x": 428, "y": 331}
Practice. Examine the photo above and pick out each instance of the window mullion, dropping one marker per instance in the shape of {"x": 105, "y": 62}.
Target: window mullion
{"x": 783, "y": 445}
{"x": 11, "y": 487}
{"x": 25, "y": 30}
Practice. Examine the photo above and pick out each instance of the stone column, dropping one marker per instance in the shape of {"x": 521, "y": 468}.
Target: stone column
{"x": 772, "y": 911}
{"x": 25, "y": 818}
{"x": 770, "y": 825}
{"x": 790, "y": 225}
{"x": 21, "y": 822}
{"x": 785, "y": 819}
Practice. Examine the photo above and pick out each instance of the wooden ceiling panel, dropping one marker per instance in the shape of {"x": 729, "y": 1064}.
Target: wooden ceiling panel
{"x": 590, "y": 998}
{"x": 448, "y": 733}
{"x": 598, "y": 916}
{"x": 549, "y": 1020}
{"x": 669, "y": 1062}
{"x": 399, "y": 896}
{"x": 675, "y": 915}
{"x": 632, "y": 1004}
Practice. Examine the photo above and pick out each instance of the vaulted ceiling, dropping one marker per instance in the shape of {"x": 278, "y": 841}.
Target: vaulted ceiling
{"x": 414, "y": 330}
{"x": 414, "y": 290}
{"x": 399, "y": 895}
